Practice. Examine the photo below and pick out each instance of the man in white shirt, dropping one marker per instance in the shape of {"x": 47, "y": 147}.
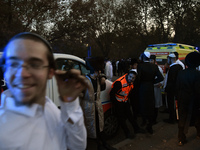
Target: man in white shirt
{"x": 178, "y": 61}
{"x": 28, "y": 119}
{"x": 109, "y": 70}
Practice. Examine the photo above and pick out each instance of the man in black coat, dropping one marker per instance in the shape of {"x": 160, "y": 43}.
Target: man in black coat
{"x": 134, "y": 93}
{"x": 188, "y": 87}
{"x": 147, "y": 73}
{"x": 170, "y": 88}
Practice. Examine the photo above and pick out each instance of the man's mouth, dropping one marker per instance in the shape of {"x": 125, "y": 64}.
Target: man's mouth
{"x": 23, "y": 86}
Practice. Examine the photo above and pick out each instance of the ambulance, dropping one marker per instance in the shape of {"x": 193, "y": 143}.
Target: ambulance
{"x": 163, "y": 50}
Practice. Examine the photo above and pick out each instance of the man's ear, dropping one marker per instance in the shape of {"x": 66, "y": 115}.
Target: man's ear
{"x": 51, "y": 73}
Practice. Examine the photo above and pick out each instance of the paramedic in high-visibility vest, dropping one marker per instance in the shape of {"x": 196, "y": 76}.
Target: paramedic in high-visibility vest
{"x": 119, "y": 94}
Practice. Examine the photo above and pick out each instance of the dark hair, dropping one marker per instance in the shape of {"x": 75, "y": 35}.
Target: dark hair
{"x": 176, "y": 54}
{"x": 133, "y": 61}
{"x": 192, "y": 60}
{"x": 153, "y": 57}
{"x": 35, "y": 37}
{"x": 95, "y": 63}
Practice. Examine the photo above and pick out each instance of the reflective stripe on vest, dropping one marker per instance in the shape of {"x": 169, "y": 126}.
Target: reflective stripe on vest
{"x": 122, "y": 96}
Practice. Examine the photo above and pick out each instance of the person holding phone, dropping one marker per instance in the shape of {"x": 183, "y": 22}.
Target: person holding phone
{"x": 29, "y": 119}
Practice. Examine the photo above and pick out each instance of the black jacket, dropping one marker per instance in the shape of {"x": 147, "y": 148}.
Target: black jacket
{"x": 188, "y": 87}
{"x": 172, "y": 77}
{"x": 146, "y": 75}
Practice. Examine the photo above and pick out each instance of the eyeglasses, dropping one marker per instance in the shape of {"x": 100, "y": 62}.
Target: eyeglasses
{"x": 31, "y": 67}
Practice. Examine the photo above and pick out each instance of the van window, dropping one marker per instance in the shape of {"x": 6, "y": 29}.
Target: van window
{"x": 170, "y": 47}
{"x": 181, "y": 46}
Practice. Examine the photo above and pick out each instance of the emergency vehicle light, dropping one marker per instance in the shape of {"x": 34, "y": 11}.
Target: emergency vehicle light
{"x": 164, "y": 45}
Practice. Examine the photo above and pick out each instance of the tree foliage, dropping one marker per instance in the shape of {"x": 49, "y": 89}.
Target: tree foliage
{"x": 116, "y": 29}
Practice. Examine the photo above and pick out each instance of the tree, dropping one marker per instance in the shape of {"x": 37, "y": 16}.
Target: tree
{"x": 115, "y": 29}
{"x": 24, "y": 15}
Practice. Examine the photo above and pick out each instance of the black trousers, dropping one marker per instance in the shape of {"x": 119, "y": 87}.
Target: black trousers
{"x": 171, "y": 106}
{"x": 183, "y": 121}
{"x": 123, "y": 113}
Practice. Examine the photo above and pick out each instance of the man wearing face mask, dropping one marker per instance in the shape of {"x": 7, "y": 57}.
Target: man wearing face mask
{"x": 170, "y": 89}
{"x": 119, "y": 94}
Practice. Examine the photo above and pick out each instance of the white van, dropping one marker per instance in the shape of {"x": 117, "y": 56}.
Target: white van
{"x": 66, "y": 62}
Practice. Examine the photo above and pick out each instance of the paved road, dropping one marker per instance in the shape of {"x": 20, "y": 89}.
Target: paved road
{"x": 164, "y": 138}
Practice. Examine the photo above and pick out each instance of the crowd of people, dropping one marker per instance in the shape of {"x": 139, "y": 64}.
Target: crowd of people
{"x": 30, "y": 120}
{"x": 142, "y": 90}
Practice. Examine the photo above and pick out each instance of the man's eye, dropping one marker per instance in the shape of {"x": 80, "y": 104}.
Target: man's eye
{"x": 35, "y": 66}
{"x": 13, "y": 64}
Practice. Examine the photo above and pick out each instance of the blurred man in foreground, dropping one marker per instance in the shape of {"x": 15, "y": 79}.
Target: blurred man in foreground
{"x": 28, "y": 119}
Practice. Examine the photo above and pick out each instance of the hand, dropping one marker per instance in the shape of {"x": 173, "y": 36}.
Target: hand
{"x": 103, "y": 80}
{"x": 70, "y": 84}
{"x": 158, "y": 85}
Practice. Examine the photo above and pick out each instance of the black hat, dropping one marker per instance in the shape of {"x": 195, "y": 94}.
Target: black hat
{"x": 133, "y": 61}
{"x": 176, "y": 54}
{"x": 192, "y": 60}
{"x": 153, "y": 57}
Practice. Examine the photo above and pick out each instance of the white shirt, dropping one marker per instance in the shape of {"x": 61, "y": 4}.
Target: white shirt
{"x": 157, "y": 91}
{"x": 37, "y": 128}
{"x": 180, "y": 63}
{"x": 117, "y": 63}
{"x": 109, "y": 70}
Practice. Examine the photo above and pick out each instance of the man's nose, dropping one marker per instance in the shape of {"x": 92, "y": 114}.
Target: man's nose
{"x": 23, "y": 71}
